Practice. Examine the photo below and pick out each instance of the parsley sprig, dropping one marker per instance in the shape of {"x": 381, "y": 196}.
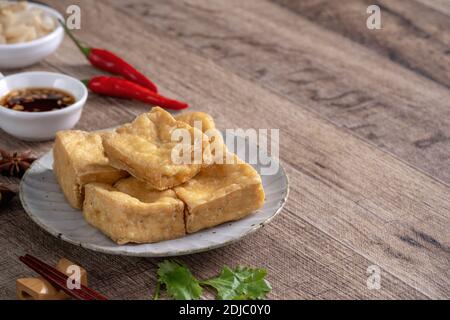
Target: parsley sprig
{"x": 241, "y": 283}
{"x": 179, "y": 281}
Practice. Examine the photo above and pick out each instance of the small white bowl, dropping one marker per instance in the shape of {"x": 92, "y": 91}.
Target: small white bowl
{"x": 18, "y": 55}
{"x": 41, "y": 126}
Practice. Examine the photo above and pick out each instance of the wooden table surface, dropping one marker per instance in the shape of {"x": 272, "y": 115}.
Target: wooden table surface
{"x": 365, "y": 137}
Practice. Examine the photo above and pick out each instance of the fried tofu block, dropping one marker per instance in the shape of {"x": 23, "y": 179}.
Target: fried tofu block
{"x": 190, "y": 118}
{"x": 205, "y": 122}
{"x": 208, "y": 126}
{"x": 79, "y": 159}
{"x": 145, "y": 148}
{"x": 221, "y": 193}
{"x": 131, "y": 211}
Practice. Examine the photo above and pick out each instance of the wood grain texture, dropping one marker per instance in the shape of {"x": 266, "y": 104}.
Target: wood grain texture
{"x": 383, "y": 101}
{"x": 412, "y": 34}
{"x": 351, "y": 204}
{"x": 439, "y": 5}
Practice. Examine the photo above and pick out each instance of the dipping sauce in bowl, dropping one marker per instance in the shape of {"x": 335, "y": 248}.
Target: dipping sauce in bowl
{"x": 37, "y": 99}
{"x": 38, "y": 92}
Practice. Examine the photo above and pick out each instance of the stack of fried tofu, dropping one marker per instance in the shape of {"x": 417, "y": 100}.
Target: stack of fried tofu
{"x": 129, "y": 187}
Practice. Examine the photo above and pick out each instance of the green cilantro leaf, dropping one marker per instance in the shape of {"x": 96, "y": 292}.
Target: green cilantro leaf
{"x": 179, "y": 281}
{"x": 241, "y": 283}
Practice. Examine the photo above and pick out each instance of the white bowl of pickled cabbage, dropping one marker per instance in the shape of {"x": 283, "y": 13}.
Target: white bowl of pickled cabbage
{"x": 28, "y": 33}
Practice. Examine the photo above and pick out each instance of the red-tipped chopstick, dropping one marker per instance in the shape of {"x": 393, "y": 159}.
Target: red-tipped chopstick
{"x": 59, "y": 279}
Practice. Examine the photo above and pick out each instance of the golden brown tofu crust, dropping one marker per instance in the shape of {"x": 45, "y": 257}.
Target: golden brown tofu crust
{"x": 221, "y": 193}
{"x": 192, "y": 117}
{"x": 208, "y": 127}
{"x": 144, "y": 149}
{"x": 126, "y": 219}
{"x": 79, "y": 159}
{"x": 162, "y": 200}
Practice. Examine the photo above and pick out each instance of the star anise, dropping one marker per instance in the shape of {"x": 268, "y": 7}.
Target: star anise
{"x": 15, "y": 164}
{"x": 6, "y": 195}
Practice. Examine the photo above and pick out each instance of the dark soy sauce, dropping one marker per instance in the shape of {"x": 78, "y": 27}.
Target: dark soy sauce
{"x": 37, "y": 99}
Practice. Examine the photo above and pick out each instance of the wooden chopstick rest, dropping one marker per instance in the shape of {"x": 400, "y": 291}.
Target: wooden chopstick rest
{"x": 35, "y": 289}
{"x": 40, "y": 289}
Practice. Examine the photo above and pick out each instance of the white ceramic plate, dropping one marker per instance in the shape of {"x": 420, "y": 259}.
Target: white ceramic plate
{"x": 44, "y": 202}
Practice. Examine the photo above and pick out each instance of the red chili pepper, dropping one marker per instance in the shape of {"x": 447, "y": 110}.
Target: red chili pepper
{"x": 108, "y": 61}
{"x": 121, "y": 88}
